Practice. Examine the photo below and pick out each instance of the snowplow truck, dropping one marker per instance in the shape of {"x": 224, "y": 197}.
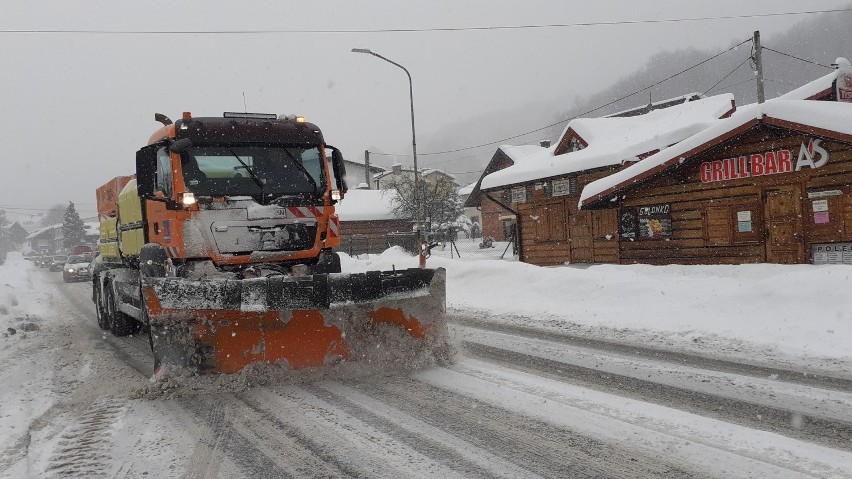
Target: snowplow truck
{"x": 222, "y": 248}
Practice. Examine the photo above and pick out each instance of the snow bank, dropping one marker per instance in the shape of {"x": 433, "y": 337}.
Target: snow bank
{"x": 797, "y": 310}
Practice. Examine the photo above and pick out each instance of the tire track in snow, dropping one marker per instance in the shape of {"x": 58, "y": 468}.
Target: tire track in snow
{"x": 713, "y": 446}
{"x": 260, "y": 446}
{"x": 358, "y": 448}
{"x": 535, "y": 445}
{"x": 436, "y": 443}
{"x": 815, "y": 378}
{"x": 802, "y": 412}
{"x": 80, "y": 451}
{"x": 134, "y": 352}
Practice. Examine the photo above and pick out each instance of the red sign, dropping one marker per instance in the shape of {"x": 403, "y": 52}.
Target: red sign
{"x": 844, "y": 87}
{"x": 811, "y": 155}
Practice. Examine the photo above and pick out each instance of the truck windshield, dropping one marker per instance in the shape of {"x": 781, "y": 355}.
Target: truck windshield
{"x": 267, "y": 171}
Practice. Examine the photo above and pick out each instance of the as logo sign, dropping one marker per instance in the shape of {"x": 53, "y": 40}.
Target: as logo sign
{"x": 808, "y": 155}
{"x": 811, "y": 155}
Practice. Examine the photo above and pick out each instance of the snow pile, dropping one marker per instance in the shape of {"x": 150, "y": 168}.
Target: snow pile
{"x": 22, "y": 307}
{"x": 27, "y": 378}
{"x": 801, "y": 311}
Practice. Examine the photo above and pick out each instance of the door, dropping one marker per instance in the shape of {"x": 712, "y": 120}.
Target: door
{"x": 783, "y": 211}
{"x": 580, "y": 237}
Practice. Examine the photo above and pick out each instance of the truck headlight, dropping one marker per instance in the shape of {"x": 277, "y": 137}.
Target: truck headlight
{"x": 70, "y": 270}
{"x": 188, "y": 199}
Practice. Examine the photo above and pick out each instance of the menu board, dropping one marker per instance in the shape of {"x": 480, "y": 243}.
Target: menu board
{"x": 832, "y": 253}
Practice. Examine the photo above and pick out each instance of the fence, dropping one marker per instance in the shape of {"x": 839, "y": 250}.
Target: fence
{"x": 443, "y": 245}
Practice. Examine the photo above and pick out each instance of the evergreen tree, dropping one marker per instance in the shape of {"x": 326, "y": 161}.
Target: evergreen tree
{"x": 17, "y": 233}
{"x": 73, "y": 229}
{"x": 5, "y": 242}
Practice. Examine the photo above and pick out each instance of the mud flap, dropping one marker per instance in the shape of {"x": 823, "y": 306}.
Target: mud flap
{"x": 225, "y": 325}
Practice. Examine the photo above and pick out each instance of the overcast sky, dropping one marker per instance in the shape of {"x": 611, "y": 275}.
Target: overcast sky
{"x": 76, "y": 107}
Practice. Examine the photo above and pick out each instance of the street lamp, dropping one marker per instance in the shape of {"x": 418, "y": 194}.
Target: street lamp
{"x": 417, "y": 217}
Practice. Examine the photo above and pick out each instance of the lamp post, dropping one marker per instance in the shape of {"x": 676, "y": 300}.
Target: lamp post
{"x": 417, "y": 218}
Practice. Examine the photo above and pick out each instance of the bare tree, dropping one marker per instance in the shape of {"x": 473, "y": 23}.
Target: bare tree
{"x": 55, "y": 215}
{"x": 439, "y": 201}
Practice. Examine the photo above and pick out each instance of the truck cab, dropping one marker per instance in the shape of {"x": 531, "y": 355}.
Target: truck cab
{"x": 239, "y": 190}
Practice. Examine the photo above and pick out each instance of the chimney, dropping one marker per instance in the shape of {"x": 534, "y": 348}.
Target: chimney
{"x": 544, "y": 143}
{"x": 396, "y": 169}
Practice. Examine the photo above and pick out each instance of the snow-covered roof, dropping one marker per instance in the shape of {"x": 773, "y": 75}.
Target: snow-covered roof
{"x": 820, "y": 117}
{"x": 466, "y": 190}
{"x": 39, "y": 232}
{"x": 611, "y": 141}
{"x": 365, "y": 205}
{"x": 812, "y": 89}
{"x": 818, "y": 87}
{"x": 361, "y": 162}
{"x": 423, "y": 172}
{"x": 657, "y": 105}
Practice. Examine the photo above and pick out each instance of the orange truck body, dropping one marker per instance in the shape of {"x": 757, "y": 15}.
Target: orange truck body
{"x": 211, "y": 259}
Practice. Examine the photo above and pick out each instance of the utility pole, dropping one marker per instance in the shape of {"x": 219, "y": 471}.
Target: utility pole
{"x": 758, "y": 61}
{"x": 367, "y": 174}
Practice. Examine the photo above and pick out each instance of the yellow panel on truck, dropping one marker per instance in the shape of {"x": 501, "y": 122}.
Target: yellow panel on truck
{"x": 130, "y": 224}
{"x": 107, "y": 196}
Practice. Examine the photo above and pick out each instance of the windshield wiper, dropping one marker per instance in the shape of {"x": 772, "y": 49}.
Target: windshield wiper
{"x": 303, "y": 169}
{"x": 249, "y": 170}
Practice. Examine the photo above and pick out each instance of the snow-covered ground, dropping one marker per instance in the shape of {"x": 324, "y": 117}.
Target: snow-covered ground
{"x": 70, "y": 407}
{"x": 798, "y": 315}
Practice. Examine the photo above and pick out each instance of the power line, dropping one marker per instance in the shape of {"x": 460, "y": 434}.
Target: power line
{"x": 589, "y": 111}
{"x": 798, "y": 58}
{"x": 424, "y": 30}
{"x": 726, "y": 76}
{"x": 734, "y": 85}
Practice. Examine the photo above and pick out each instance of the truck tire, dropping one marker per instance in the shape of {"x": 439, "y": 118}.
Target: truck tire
{"x": 120, "y": 323}
{"x": 100, "y": 310}
{"x": 152, "y": 260}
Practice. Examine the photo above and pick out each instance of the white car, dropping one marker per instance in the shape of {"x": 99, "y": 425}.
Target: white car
{"x": 76, "y": 268}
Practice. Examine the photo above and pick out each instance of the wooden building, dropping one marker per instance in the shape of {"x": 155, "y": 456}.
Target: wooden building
{"x": 772, "y": 183}
{"x": 541, "y": 186}
{"x": 366, "y": 218}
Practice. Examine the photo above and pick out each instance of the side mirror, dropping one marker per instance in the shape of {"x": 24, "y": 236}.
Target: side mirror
{"x": 338, "y": 167}
{"x": 179, "y": 146}
{"x": 146, "y": 171}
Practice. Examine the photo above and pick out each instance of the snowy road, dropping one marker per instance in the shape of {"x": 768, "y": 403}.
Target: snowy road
{"x": 517, "y": 403}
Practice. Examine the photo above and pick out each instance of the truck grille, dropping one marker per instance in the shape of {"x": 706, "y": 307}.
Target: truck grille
{"x": 233, "y": 239}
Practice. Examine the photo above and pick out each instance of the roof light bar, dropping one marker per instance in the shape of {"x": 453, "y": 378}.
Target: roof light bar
{"x": 293, "y": 118}
{"x": 252, "y": 116}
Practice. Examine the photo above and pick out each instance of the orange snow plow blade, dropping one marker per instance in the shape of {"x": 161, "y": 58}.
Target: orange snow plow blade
{"x": 225, "y": 325}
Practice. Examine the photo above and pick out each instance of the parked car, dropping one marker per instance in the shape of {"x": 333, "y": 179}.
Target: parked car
{"x": 57, "y": 263}
{"x": 76, "y": 268}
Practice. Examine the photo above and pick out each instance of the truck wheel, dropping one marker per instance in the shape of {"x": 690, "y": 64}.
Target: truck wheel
{"x": 120, "y": 323}
{"x": 152, "y": 260}
{"x": 100, "y": 312}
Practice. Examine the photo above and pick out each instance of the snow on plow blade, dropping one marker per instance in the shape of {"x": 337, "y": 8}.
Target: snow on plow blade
{"x": 225, "y": 325}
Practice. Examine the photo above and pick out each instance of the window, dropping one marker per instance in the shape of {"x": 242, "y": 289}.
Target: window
{"x": 564, "y": 186}
{"x": 519, "y": 195}
{"x": 164, "y": 172}
{"x": 269, "y": 171}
